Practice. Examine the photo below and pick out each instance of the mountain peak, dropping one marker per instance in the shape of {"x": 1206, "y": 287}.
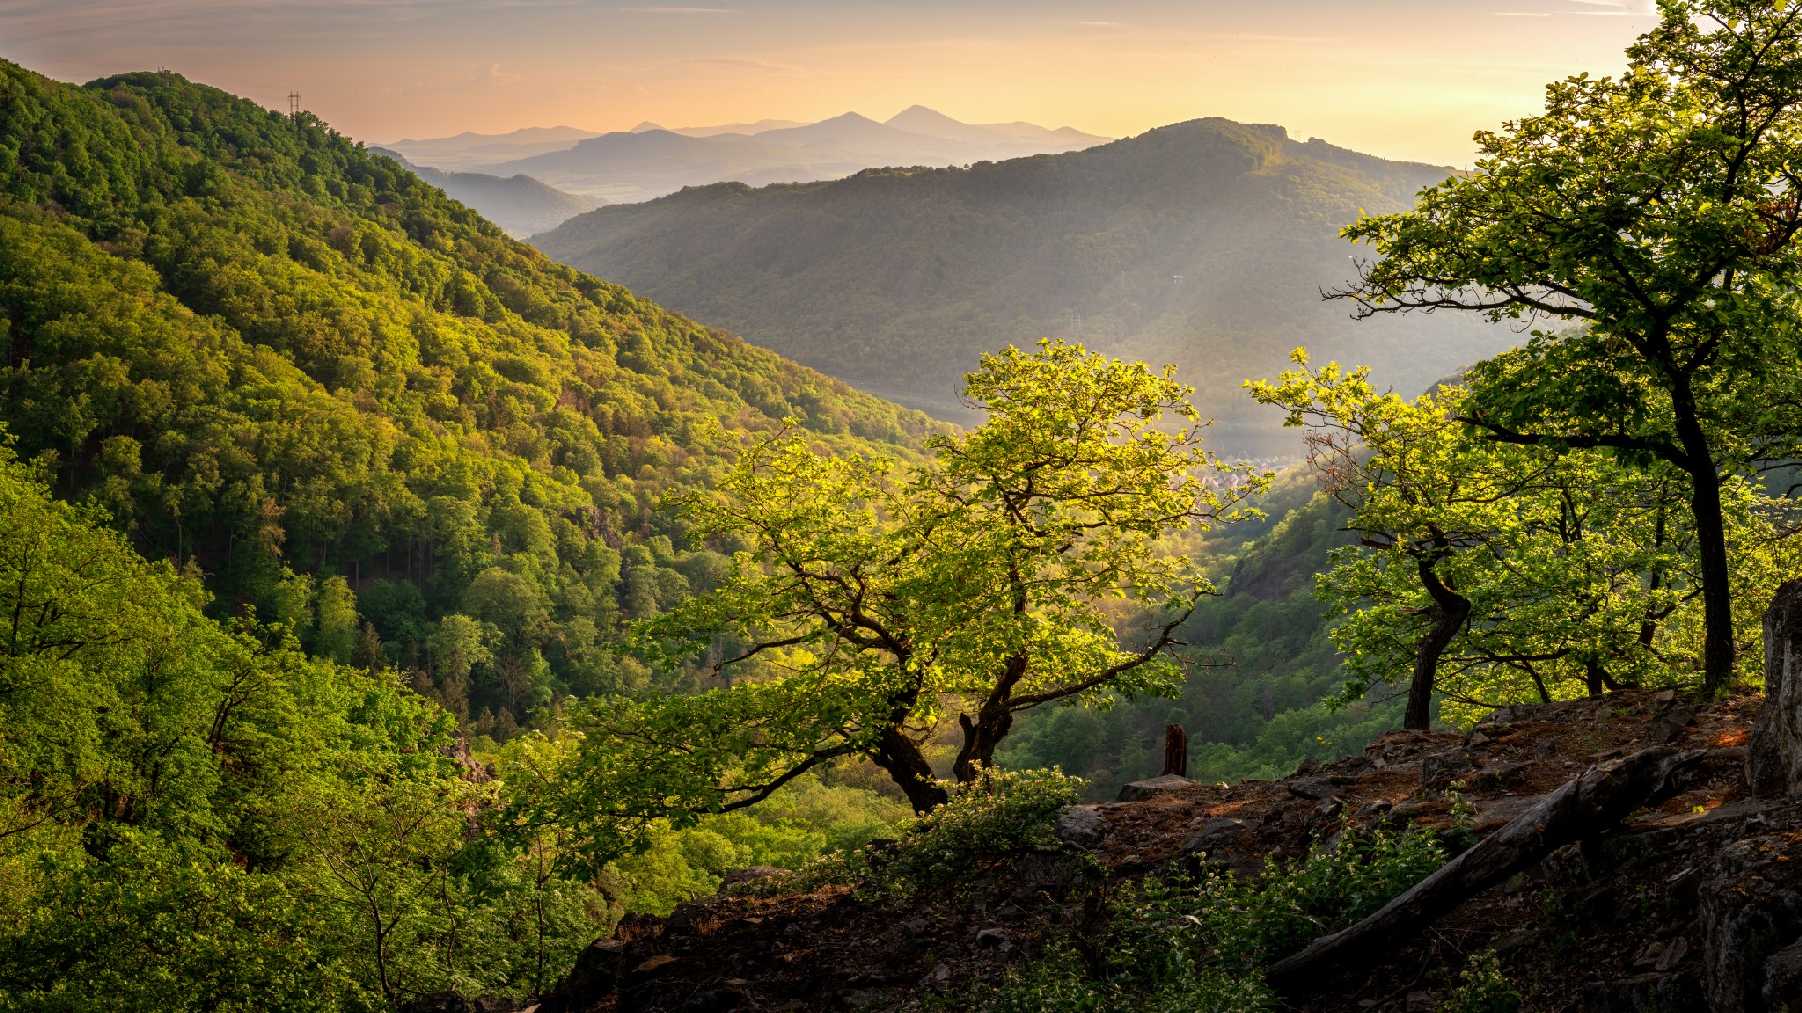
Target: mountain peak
{"x": 647, "y": 126}
{"x": 919, "y": 114}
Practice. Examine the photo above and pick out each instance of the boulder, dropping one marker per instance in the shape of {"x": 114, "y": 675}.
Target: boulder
{"x": 1751, "y": 919}
{"x": 1081, "y": 826}
{"x": 1215, "y": 834}
{"x": 1774, "y": 756}
{"x": 1783, "y": 979}
{"x": 1314, "y": 789}
{"x": 1437, "y": 772}
{"x": 1167, "y": 784}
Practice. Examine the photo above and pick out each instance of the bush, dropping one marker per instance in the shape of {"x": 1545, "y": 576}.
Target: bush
{"x": 1173, "y": 943}
{"x": 1266, "y": 917}
{"x": 995, "y": 815}
{"x": 1057, "y": 983}
{"x": 985, "y": 821}
{"x": 1483, "y": 988}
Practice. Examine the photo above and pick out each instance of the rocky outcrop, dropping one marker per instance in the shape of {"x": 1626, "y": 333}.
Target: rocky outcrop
{"x": 1752, "y": 925}
{"x": 1626, "y": 893}
{"x": 1774, "y": 759}
{"x": 1152, "y": 787}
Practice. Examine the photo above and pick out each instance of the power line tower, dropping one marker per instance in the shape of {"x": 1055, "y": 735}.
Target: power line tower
{"x": 294, "y": 106}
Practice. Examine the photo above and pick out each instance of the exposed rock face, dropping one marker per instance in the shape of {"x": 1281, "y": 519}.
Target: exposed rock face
{"x": 1751, "y": 923}
{"x": 1774, "y": 759}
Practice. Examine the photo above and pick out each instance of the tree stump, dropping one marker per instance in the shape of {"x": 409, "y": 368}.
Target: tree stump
{"x": 1774, "y": 757}
{"x": 1176, "y": 751}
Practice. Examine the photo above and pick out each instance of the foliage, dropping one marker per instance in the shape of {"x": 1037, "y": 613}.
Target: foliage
{"x": 1057, "y": 982}
{"x": 998, "y": 577}
{"x": 1658, "y": 216}
{"x": 806, "y": 826}
{"x": 195, "y": 815}
{"x": 1249, "y": 921}
{"x": 1175, "y": 944}
{"x": 1254, "y": 702}
{"x": 266, "y": 351}
{"x": 994, "y": 817}
{"x": 1516, "y": 570}
{"x": 1482, "y": 988}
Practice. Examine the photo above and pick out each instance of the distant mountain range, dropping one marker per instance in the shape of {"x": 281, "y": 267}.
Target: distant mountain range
{"x": 520, "y": 205}
{"x": 469, "y": 150}
{"x": 724, "y": 128}
{"x": 1205, "y": 244}
{"x": 651, "y": 161}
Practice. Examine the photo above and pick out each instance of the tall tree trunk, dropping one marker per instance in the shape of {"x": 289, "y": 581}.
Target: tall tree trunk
{"x": 1450, "y": 610}
{"x": 907, "y": 767}
{"x": 1711, "y": 545}
{"x": 1648, "y": 629}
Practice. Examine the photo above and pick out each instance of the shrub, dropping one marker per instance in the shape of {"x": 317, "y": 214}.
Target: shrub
{"x": 1483, "y": 988}
{"x": 996, "y": 815}
{"x": 1173, "y": 943}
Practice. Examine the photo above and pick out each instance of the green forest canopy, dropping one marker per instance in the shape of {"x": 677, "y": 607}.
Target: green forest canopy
{"x": 353, "y": 404}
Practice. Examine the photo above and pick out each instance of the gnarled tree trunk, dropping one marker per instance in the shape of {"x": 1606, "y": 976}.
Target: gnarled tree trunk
{"x": 907, "y": 767}
{"x": 1450, "y": 610}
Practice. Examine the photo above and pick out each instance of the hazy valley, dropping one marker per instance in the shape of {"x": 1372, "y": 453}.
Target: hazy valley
{"x": 1207, "y": 244}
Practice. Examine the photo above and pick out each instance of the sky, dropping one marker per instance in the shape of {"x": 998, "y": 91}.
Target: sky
{"x": 1409, "y": 79}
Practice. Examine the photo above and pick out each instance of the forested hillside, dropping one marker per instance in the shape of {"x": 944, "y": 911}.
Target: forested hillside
{"x": 288, "y": 364}
{"x": 1204, "y": 243}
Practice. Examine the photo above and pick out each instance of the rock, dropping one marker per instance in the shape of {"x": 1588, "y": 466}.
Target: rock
{"x": 1644, "y": 993}
{"x": 1673, "y": 722}
{"x": 1437, "y": 772}
{"x": 715, "y": 1000}
{"x": 1329, "y": 809}
{"x": 1774, "y": 756}
{"x": 597, "y": 971}
{"x": 994, "y": 938}
{"x": 1081, "y": 826}
{"x": 652, "y": 965}
{"x": 1498, "y": 778}
{"x": 1213, "y": 835}
{"x": 1313, "y": 788}
{"x": 1751, "y": 913}
{"x": 1499, "y": 812}
{"x": 1783, "y": 979}
{"x": 1167, "y": 784}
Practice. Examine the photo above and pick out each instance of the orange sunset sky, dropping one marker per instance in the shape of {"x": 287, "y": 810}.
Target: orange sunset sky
{"x": 1400, "y": 78}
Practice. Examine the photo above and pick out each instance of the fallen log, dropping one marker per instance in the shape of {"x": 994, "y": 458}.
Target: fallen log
{"x": 1595, "y": 800}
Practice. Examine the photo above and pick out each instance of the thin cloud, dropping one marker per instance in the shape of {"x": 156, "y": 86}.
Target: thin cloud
{"x": 678, "y": 11}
